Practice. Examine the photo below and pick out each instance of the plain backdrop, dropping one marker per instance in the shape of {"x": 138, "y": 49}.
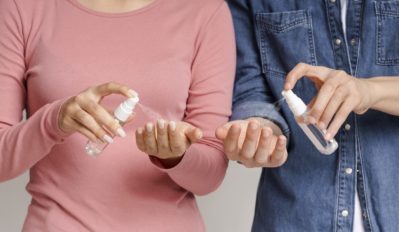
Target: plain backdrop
{"x": 229, "y": 209}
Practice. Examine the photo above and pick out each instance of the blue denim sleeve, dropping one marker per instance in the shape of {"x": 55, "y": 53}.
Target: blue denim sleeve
{"x": 252, "y": 96}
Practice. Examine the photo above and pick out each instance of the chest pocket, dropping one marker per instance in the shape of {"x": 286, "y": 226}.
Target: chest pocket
{"x": 387, "y": 32}
{"x": 285, "y": 39}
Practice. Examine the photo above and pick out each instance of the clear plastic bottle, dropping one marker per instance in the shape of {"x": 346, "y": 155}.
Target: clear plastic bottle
{"x": 316, "y": 136}
{"x": 121, "y": 114}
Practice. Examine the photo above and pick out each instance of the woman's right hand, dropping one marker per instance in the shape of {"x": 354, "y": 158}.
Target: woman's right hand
{"x": 84, "y": 114}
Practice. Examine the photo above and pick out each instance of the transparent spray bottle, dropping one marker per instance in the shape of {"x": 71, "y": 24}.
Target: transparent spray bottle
{"x": 317, "y": 136}
{"x": 121, "y": 114}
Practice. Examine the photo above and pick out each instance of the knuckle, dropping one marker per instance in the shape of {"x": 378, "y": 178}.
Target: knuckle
{"x": 341, "y": 91}
{"x": 340, "y": 73}
{"x": 177, "y": 147}
{"x": 80, "y": 99}
{"x": 329, "y": 87}
{"x": 163, "y": 146}
{"x": 111, "y": 85}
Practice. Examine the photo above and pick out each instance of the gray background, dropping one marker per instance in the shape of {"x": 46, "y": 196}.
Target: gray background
{"x": 230, "y": 208}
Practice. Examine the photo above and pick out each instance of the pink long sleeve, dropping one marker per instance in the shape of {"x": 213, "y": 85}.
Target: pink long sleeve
{"x": 209, "y": 105}
{"x": 22, "y": 144}
{"x": 179, "y": 55}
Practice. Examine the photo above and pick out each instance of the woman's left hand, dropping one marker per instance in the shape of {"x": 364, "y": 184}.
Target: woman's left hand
{"x": 338, "y": 95}
{"x": 168, "y": 141}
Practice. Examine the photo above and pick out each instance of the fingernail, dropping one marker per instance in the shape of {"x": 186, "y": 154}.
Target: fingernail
{"x": 328, "y": 136}
{"x": 311, "y": 120}
{"x": 108, "y": 139}
{"x": 254, "y": 126}
{"x": 121, "y": 132}
{"x": 149, "y": 127}
{"x": 140, "y": 131}
{"x": 172, "y": 125}
{"x": 132, "y": 93}
{"x": 199, "y": 134}
{"x": 161, "y": 123}
{"x": 322, "y": 125}
{"x": 282, "y": 142}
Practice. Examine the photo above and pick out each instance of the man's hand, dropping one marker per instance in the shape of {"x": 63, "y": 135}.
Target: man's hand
{"x": 339, "y": 94}
{"x": 254, "y": 142}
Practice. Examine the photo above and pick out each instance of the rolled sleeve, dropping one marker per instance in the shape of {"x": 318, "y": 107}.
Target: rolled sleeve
{"x": 260, "y": 109}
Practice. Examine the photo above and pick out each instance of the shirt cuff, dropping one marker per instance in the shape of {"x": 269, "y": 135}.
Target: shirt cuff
{"x": 263, "y": 110}
{"x": 51, "y": 122}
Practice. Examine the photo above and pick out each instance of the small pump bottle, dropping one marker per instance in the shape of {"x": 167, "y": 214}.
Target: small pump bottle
{"x": 317, "y": 136}
{"x": 121, "y": 114}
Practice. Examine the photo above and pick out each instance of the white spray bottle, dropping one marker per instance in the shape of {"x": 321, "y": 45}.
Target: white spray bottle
{"x": 317, "y": 136}
{"x": 121, "y": 114}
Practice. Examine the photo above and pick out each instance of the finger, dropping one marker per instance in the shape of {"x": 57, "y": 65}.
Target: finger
{"x": 230, "y": 143}
{"x": 332, "y": 108}
{"x": 140, "y": 139}
{"x": 105, "y": 119}
{"x": 314, "y": 73}
{"x": 327, "y": 90}
{"x": 150, "y": 140}
{"x": 261, "y": 155}
{"x": 76, "y": 126}
{"x": 251, "y": 139}
{"x": 163, "y": 137}
{"x": 280, "y": 154}
{"x": 86, "y": 120}
{"x": 221, "y": 132}
{"x": 339, "y": 119}
{"x": 114, "y": 88}
{"x": 177, "y": 141}
{"x": 193, "y": 134}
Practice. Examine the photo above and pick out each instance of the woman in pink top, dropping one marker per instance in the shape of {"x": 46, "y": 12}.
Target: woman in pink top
{"x": 56, "y": 57}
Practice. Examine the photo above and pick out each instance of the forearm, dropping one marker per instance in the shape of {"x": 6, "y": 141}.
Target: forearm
{"x": 23, "y": 145}
{"x": 384, "y": 94}
{"x": 200, "y": 171}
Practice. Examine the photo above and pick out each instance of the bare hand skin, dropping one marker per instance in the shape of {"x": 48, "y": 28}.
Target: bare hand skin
{"x": 338, "y": 95}
{"x": 167, "y": 141}
{"x": 84, "y": 114}
{"x": 255, "y": 142}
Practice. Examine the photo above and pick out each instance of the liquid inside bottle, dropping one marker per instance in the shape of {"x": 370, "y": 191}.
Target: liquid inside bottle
{"x": 121, "y": 114}
{"x": 314, "y": 133}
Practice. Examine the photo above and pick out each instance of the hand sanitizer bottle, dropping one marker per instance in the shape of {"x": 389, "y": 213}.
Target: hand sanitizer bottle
{"x": 121, "y": 114}
{"x": 316, "y": 136}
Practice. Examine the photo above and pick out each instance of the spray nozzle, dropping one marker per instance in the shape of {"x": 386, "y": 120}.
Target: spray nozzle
{"x": 296, "y": 105}
{"x": 125, "y": 109}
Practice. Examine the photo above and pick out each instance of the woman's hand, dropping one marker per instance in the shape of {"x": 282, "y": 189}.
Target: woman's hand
{"x": 84, "y": 114}
{"x": 168, "y": 141}
{"x": 338, "y": 95}
{"x": 254, "y": 142}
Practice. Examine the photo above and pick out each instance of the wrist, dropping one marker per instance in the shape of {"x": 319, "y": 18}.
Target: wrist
{"x": 268, "y": 123}
{"x": 373, "y": 93}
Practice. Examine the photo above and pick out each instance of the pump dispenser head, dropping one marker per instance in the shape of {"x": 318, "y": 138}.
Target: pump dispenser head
{"x": 296, "y": 105}
{"x": 125, "y": 109}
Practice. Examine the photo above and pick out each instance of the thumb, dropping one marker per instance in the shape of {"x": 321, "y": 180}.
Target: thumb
{"x": 221, "y": 132}
{"x": 193, "y": 134}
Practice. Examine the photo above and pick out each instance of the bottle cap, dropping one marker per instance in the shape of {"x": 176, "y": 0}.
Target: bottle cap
{"x": 125, "y": 109}
{"x": 296, "y": 105}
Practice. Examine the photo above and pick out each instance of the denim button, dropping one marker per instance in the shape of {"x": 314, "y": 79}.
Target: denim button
{"x": 353, "y": 42}
{"x": 345, "y": 213}
{"x": 347, "y": 127}
{"x": 338, "y": 42}
{"x": 348, "y": 171}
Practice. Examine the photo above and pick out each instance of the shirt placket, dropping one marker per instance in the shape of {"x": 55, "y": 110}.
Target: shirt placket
{"x": 353, "y": 35}
{"x": 346, "y": 176}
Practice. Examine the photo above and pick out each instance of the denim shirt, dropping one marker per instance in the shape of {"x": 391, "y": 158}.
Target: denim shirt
{"x": 311, "y": 191}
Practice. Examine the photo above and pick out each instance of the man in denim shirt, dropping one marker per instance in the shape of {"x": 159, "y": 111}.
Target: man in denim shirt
{"x": 358, "y": 105}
